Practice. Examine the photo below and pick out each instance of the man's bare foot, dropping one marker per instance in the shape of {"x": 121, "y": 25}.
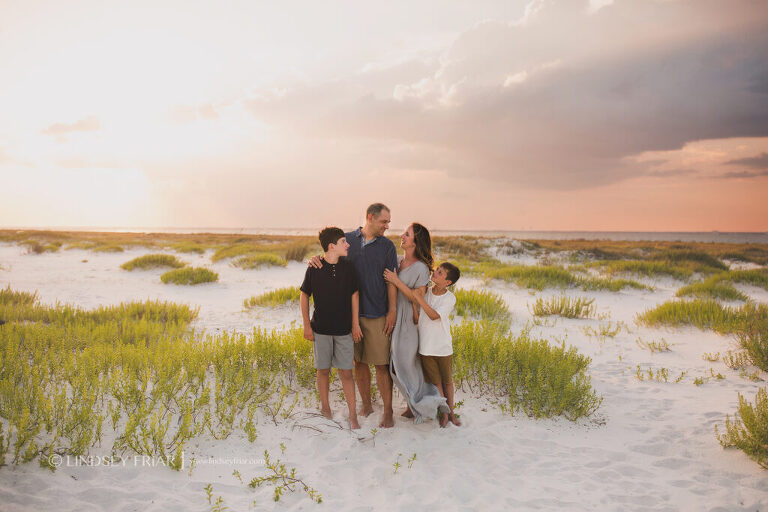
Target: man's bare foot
{"x": 455, "y": 420}
{"x": 407, "y": 413}
{"x": 327, "y": 413}
{"x": 387, "y": 421}
{"x": 366, "y": 411}
{"x": 353, "y": 424}
{"x": 443, "y": 419}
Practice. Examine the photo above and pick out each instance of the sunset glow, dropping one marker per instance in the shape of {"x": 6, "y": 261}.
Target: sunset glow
{"x": 631, "y": 115}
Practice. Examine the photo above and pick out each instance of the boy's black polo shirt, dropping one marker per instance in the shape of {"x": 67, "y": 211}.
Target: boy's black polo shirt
{"x": 331, "y": 288}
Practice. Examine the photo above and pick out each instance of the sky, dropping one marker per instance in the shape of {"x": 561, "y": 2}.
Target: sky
{"x": 625, "y": 115}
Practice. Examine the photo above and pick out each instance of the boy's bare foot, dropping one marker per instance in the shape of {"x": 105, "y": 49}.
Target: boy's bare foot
{"x": 366, "y": 411}
{"x": 353, "y": 424}
{"x": 387, "y": 421}
{"x": 443, "y": 419}
{"x": 456, "y": 421}
{"x": 327, "y": 413}
{"x": 407, "y": 413}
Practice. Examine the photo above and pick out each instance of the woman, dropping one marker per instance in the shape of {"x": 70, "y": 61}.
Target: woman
{"x": 423, "y": 399}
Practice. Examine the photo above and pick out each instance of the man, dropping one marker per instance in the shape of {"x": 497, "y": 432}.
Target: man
{"x": 371, "y": 252}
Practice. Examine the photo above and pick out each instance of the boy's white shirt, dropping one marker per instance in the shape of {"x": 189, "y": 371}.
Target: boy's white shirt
{"x": 435, "y": 335}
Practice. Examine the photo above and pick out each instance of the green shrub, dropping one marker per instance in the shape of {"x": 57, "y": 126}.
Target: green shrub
{"x": 532, "y": 375}
{"x": 149, "y": 261}
{"x": 252, "y": 261}
{"x": 274, "y": 298}
{"x": 749, "y": 429}
{"x": 564, "y": 306}
{"x": 189, "y": 275}
{"x": 482, "y": 304}
{"x": 713, "y": 287}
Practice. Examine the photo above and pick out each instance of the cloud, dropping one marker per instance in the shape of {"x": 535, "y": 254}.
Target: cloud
{"x": 183, "y": 114}
{"x": 671, "y": 173}
{"x": 559, "y": 99}
{"x": 89, "y": 124}
{"x": 759, "y": 162}
{"x": 744, "y": 174}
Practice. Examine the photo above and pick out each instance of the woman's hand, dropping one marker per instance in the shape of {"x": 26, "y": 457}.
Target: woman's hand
{"x": 391, "y": 277}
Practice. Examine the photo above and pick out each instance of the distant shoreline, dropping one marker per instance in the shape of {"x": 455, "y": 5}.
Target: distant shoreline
{"x": 666, "y": 236}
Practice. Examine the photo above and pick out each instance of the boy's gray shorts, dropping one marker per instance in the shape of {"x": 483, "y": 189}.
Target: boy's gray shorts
{"x": 336, "y": 351}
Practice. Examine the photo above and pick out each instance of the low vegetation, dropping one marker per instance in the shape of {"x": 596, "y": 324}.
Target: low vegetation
{"x": 264, "y": 259}
{"x": 748, "y": 323}
{"x": 481, "y": 304}
{"x": 274, "y": 298}
{"x": 149, "y": 261}
{"x": 539, "y": 277}
{"x": 527, "y": 374}
{"x": 36, "y": 247}
{"x": 135, "y": 379}
{"x": 749, "y": 429}
{"x": 714, "y": 287}
{"x": 189, "y": 276}
{"x": 567, "y": 307}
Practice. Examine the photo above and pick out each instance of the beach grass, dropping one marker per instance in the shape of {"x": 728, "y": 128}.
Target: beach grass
{"x": 540, "y": 277}
{"x": 459, "y": 247}
{"x": 565, "y": 306}
{"x": 36, "y": 247}
{"x": 107, "y": 248}
{"x": 274, "y": 298}
{"x": 701, "y": 313}
{"x": 189, "y": 276}
{"x": 149, "y": 261}
{"x": 714, "y": 287}
{"x": 252, "y": 261}
{"x": 749, "y": 429}
{"x": 69, "y": 377}
{"x": 481, "y": 304}
{"x": 297, "y": 251}
{"x": 529, "y": 375}
{"x": 189, "y": 247}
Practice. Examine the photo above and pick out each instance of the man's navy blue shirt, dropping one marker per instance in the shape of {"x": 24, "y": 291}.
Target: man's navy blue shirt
{"x": 370, "y": 261}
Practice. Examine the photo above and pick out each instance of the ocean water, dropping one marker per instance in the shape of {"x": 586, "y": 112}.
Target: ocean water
{"x": 668, "y": 236}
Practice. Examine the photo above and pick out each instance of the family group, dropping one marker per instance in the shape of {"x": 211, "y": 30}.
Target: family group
{"x": 372, "y": 307}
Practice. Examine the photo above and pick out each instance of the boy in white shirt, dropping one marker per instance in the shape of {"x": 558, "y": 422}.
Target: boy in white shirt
{"x": 432, "y": 312}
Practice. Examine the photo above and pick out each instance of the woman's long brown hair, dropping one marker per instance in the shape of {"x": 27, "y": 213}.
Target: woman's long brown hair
{"x": 423, "y": 241}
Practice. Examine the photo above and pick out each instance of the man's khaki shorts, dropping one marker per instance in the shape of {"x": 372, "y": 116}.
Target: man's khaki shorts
{"x": 375, "y": 346}
{"x": 438, "y": 370}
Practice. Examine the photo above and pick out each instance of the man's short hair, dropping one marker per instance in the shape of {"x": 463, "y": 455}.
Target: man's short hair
{"x": 452, "y": 272}
{"x": 375, "y": 209}
{"x": 329, "y": 236}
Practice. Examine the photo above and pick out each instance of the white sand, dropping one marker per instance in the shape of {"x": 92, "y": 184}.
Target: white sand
{"x": 650, "y": 446}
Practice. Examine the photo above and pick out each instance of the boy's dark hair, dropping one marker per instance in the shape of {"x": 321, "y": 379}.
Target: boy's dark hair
{"x": 452, "y": 272}
{"x": 329, "y": 236}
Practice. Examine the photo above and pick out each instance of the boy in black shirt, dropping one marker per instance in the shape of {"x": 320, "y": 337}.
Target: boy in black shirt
{"x": 335, "y": 324}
